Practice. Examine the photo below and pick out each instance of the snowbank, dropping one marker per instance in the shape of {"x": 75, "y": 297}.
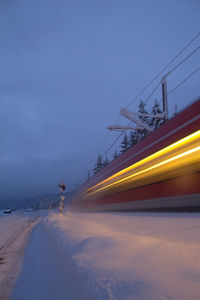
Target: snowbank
{"x": 133, "y": 256}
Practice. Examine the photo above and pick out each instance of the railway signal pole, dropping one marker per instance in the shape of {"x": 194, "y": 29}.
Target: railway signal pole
{"x": 62, "y": 197}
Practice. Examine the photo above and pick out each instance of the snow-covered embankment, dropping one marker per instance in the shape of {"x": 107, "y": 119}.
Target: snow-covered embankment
{"x": 132, "y": 256}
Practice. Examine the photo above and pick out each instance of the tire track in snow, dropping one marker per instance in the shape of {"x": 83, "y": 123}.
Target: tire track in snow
{"x": 11, "y": 253}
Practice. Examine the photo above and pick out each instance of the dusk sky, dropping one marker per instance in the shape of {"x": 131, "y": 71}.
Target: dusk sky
{"x": 66, "y": 69}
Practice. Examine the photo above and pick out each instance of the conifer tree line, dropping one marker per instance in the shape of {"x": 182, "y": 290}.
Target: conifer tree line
{"x": 134, "y": 136}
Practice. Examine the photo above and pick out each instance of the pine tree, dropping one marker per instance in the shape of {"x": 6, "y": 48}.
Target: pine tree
{"x": 124, "y": 144}
{"x": 115, "y": 155}
{"x": 155, "y": 122}
{"x": 98, "y": 165}
{"x": 141, "y": 109}
{"x": 105, "y": 162}
{"x": 133, "y": 138}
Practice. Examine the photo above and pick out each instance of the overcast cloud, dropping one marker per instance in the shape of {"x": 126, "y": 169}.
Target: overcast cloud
{"x": 67, "y": 67}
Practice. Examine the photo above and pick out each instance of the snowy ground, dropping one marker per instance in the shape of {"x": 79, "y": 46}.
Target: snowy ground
{"x": 112, "y": 256}
{"x": 133, "y": 256}
{"x": 14, "y": 233}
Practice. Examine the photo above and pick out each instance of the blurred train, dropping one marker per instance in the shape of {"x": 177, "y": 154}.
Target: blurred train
{"x": 161, "y": 172}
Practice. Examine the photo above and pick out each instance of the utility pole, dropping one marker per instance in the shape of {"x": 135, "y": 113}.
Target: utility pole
{"x": 164, "y": 98}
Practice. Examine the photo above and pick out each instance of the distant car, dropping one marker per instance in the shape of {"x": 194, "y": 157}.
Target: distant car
{"x": 28, "y": 209}
{"x": 7, "y": 211}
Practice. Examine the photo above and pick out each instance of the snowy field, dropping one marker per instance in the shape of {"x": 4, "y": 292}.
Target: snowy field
{"x": 83, "y": 256}
{"x": 133, "y": 255}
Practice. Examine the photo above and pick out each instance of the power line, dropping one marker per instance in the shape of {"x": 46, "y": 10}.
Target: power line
{"x": 104, "y": 154}
{"x": 86, "y": 168}
{"x": 115, "y": 141}
{"x": 175, "y": 67}
{"x": 141, "y": 92}
{"x": 160, "y": 100}
{"x": 170, "y": 62}
{"x": 186, "y": 58}
{"x": 183, "y": 81}
{"x": 156, "y": 87}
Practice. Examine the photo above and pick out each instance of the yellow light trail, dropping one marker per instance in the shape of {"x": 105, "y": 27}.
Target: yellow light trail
{"x": 193, "y": 136}
{"x": 150, "y": 168}
{"x": 178, "y": 146}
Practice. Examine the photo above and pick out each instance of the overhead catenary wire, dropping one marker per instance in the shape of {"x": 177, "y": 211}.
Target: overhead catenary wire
{"x": 104, "y": 154}
{"x": 115, "y": 141}
{"x": 184, "y": 80}
{"x": 171, "y": 71}
{"x": 98, "y": 149}
{"x": 157, "y": 86}
{"x": 141, "y": 92}
{"x": 179, "y": 64}
{"x": 154, "y": 90}
{"x": 170, "y": 62}
{"x": 188, "y": 77}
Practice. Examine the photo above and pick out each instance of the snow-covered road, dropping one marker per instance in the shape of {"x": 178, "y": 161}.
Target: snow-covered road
{"x": 45, "y": 274}
{"x": 14, "y": 233}
{"x": 112, "y": 256}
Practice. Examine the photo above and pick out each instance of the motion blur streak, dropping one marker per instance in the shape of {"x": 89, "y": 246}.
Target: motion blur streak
{"x": 175, "y": 160}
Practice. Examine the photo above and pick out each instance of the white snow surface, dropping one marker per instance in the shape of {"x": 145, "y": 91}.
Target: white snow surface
{"x": 11, "y": 224}
{"x": 14, "y": 232}
{"x": 131, "y": 255}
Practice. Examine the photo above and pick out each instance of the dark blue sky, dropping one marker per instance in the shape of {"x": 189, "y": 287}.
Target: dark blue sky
{"x": 66, "y": 69}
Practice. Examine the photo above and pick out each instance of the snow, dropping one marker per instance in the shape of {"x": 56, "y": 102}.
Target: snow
{"x": 100, "y": 256}
{"x": 14, "y": 233}
{"x": 133, "y": 255}
{"x": 44, "y": 274}
{"x": 10, "y": 224}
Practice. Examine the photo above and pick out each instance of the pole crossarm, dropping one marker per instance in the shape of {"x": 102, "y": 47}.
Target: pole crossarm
{"x": 122, "y": 128}
{"x": 119, "y": 127}
{"x": 132, "y": 117}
